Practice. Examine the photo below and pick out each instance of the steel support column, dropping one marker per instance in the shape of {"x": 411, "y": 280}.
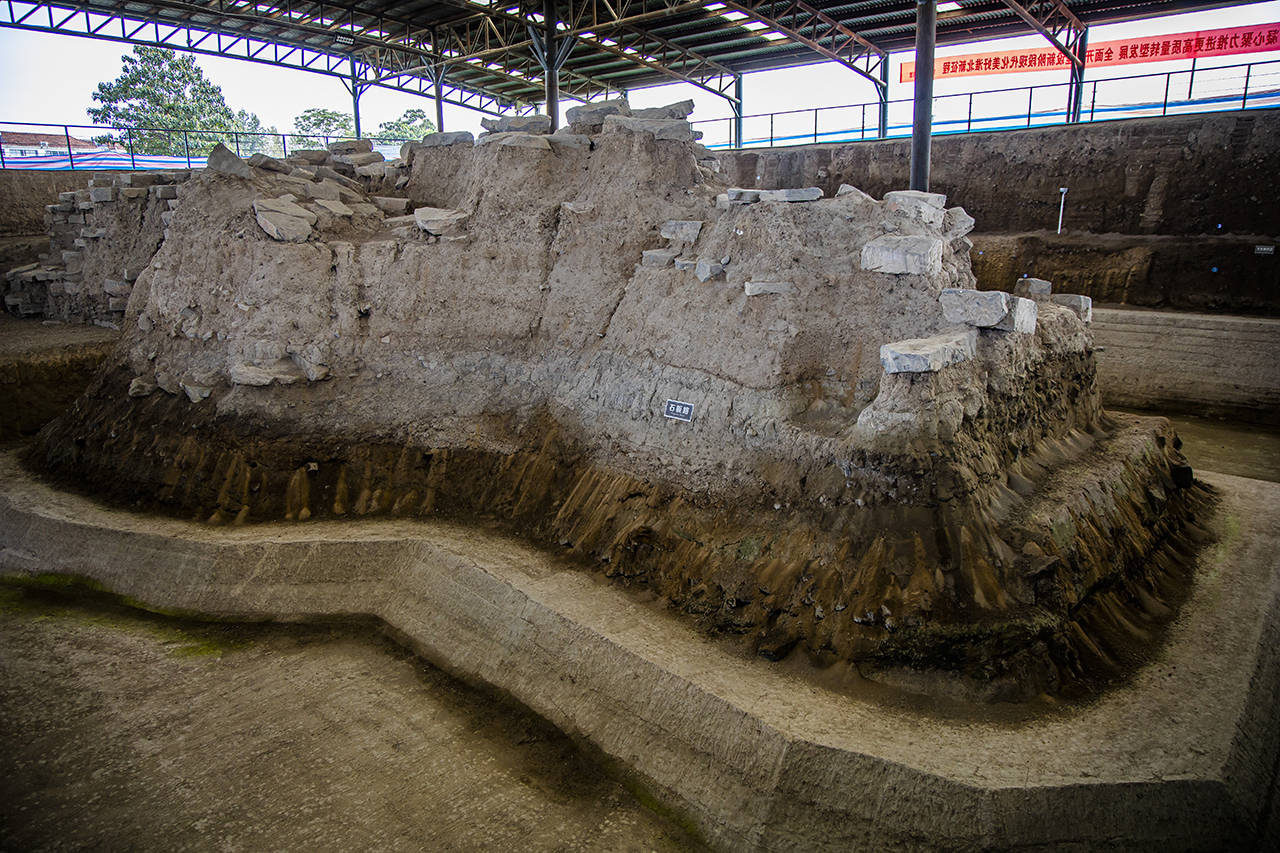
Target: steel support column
{"x": 356, "y": 89}
{"x": 882, "y": 124}
{"x": 1075, "y": 92}
{"x": 736, "y": 104}
{"x": 551, "y": 52}
{"x": 922, "y": 112}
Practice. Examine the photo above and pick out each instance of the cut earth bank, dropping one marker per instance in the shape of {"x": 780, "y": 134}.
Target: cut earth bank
{"x": 884, "y": 467}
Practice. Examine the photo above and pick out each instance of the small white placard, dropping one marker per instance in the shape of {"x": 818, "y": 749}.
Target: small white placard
{"x": 678, "y": 411}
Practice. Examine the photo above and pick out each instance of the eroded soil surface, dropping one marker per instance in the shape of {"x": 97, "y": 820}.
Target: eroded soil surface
{"x": 119, "y": 731}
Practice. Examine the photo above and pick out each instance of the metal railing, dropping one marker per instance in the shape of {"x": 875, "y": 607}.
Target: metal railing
{"x": 1230, "y": 87}
{"x": 87, "y": 146}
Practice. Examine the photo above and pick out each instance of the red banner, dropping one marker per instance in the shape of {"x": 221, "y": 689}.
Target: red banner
{"x": 1228, "y": 42}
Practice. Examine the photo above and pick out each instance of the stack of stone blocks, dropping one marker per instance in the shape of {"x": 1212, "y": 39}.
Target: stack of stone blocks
{"x": 59, "y": 286}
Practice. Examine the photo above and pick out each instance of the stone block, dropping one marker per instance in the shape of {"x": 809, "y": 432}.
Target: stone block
{"x": 166, "y": 217}
{"x": 681, "y": 230}
{"x": 439, "y": 221}
{"x": 283, "y": 220}
{"x": 956, "y": 223}
{"x": 310, "y": 156}
{"x": 323, "y": 189}
{"x": 658, "y": 257}
{"x": 517, "y": 124}
{"x": 916, "y": 255}
{"x": 744, "y": 196}
{"x": 67, "y": 197}
{"x": 917, "y": 206}
{"x": 852, "y": 193}
{"x": 270, "y": 164}
{"x": 1081, "y": 305}
{"x": 133, "y": 193}
{"x": 325, "y": 173}
{"x": 351, "y": 146}
{"x": 80, "y": 243}
{"x": 113, "y": 287}
{"x": 596, "y": 112}
{"x": 669, "y": 129}
{"x": 563, "y": 138}
{"x": 706, "y": 268}
{"x": 363, "y": 158}
{"x": 928, "y": 355}
{"x": 73, "y": 261}
{"x": 1021, "y": 317}
{"x": 685, "y": 264}
{"x": 337, "y": 208}
{"x": 164, "y": 191}
{"x": 517, "y": 139}
{"x": 980, "y": 308}
{"x": 142, "y": 386}
{"x": 768, "y": 288}
{"x": 393, "y": 206}
{"x": 117, "y": 303}
{"x": 84, "y": 205}
{"x": 1033, "y": 288}
{"x": 795, "y": 195}
{"x": 437, "y": 140}
{"x": 678, "y": 110}
{"x": 222, "y": 159}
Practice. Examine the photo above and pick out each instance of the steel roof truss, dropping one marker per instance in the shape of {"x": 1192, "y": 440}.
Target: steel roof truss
{"x": 1053, "y": 20}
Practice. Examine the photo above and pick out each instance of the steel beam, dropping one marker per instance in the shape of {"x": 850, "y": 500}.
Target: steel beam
{"x": 1053, "y": 20}
{"x": 922, "y": 105}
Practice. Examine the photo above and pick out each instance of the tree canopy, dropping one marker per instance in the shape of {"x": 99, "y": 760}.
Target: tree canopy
{"x": 313, "y": 124}
{"x": 414, "y": 124}
{"x": 159, "y": 88}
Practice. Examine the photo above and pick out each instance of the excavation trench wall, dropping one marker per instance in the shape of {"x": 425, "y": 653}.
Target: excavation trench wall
{"x": 1144, "y": 198}
{"x": 25, "y": 192}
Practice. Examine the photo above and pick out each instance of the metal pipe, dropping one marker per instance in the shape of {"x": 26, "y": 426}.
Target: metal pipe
{"x": 132, "y": 163}
{"x": 1244, "y": 102}
{"x": 1062, "y": 207}
{"x": 922, "y": 106}
{"x": 438, "y": 81}
{"x": 355, "y": 97}
{"x": 551, "y": 69}
{"x": 71, "y": 158}
{"x": 1075, "y": 95}
{"x": 882, "y": 92}
{"x": 737, "y": 111}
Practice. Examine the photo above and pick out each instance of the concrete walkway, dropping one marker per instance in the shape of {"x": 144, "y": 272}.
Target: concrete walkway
{"x": 1183, "y": 756}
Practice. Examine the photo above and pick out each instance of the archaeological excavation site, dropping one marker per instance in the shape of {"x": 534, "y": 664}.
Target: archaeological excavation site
{"x": 575, "y": 485}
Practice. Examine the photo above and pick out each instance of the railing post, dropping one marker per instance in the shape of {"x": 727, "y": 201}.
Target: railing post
{"x": 1191, "y": 80}
{"x": 2, "y": 165}
{"x": 1031, "y": 94}
{"x": 1244, "y": 100}
{"x": 1093, "y": 99}
{"x": 186, "y": 147}
{"x": 968, "y": 122}
{"x": 284, "y": 144}
{"x": 1164, "y": 108}
{"x": 815, "y": 123}
{"x": 235, "y": 137}
{"x": 770, "y": 130}
{"x": 129, "y": 136}
{"x": 71, "y": 158}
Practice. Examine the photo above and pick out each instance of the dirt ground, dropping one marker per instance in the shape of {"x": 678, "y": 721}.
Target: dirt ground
{"x": 119, "y": 730}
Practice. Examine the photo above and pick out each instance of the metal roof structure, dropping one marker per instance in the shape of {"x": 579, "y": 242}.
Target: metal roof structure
{"x": 499, "y": 56}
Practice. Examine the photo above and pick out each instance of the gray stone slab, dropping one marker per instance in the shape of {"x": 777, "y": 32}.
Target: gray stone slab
{"x": 929, "y": 355}
{"x": 1021, "y": 317}
{"x": 742, "y": 195}
{"x": 164, "y": 191}
{"x": 917, "y": 206}
{"x": 453, "y": 137}
{"x": 363, "y": 158}
{"x": 270, "y": 164}
{"x": 1081, "y": 305}
{"x": 517, "y": 124}
{"x": 898, "y": 255}
{"x": 681, "y": 230}
{"x": 852, "y": 193}
{"x": 284, "y": 205}
{"x": 792, "y": 195}
{"x": 439, "y": 221}
{"x": 658, "y": 257}
{"x": 1033, "y": 288}
{"x": 337, "y": 208}
{"x": 707, "y": 268}
{"x": 391, "y": 205}
{"x": 351, "y": 146}
{"x": 102, "y": 194}
{"x": 596, "y": 112}
{"x": 678, "y": 110}
{"x": 768, "y": 288}
{"x": 956, "y": 223}
{"x": 662, "y": 129}
{"x": 686, "y": 264}
{"x": 222, "y": 159}
{"x": 980, "y": 308}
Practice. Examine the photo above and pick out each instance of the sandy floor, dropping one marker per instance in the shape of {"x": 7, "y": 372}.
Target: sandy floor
{"x": 33, "y": 336}
{"x": 122, "y": 731}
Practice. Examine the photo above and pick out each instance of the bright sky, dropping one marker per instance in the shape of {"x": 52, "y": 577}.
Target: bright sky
{"x": 50, "y": 78}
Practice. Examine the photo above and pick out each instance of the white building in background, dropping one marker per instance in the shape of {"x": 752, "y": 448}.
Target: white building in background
{"x": 22, "y": 144}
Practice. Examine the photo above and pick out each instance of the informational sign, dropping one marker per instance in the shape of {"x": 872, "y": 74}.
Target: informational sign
{"x": 678, "y": 411}
{"x": 1264, "y": 250}
{"x": 1201, "y": 44}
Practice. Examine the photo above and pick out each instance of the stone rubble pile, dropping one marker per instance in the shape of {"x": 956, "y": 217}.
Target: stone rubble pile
{"x": 83, "y": 278}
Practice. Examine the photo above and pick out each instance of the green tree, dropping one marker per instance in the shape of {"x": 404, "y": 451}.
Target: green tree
{"x": 160, "y": 88}
{"x": 313, "y": 125}
{"x": 414, "y": 124}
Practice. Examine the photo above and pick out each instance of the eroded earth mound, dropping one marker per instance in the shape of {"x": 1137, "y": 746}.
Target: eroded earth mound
{"x": 882, "y": 466}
